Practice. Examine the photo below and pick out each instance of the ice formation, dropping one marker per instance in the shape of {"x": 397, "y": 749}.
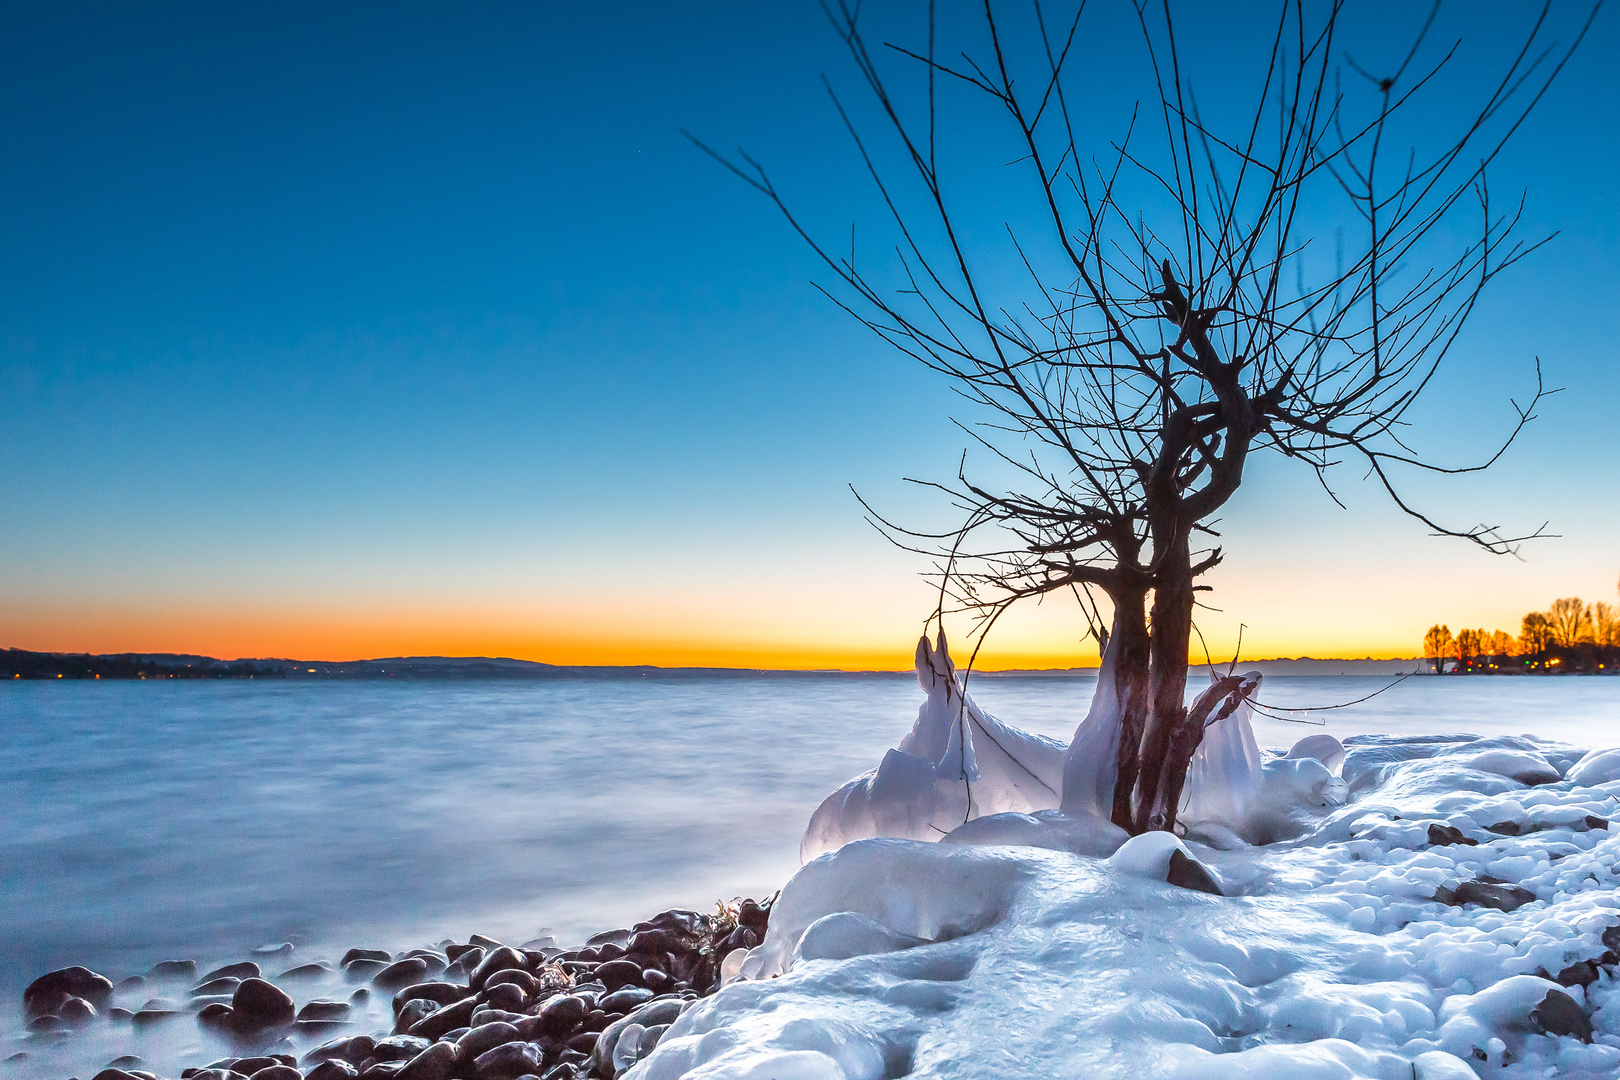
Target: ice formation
{"x": 1449, "y": 920}
{"x": 956, "y": 764}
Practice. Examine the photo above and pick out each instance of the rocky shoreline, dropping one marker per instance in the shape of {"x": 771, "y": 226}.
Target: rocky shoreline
{"x": 478, "y": 1010}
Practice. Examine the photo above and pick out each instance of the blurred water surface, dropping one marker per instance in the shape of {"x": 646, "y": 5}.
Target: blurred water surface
{"x": 146, "y": 820}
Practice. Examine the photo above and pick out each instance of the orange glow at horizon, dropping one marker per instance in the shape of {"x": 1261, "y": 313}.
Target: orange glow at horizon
{"x": 607, "y": 639}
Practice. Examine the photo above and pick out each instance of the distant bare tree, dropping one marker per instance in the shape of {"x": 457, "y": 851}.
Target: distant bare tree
{"x": 1439, "y": 646}
{"x": 1605, "y": 621}
{"x": 1503, "y": 644}
{"x": 1468, "y": 647}
{"x": 1179, "y": 311}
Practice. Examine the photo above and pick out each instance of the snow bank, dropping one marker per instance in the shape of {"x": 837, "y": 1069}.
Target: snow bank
{"x": 1335, "y": 954}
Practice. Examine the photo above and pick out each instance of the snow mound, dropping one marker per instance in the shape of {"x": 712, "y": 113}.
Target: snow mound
{"x": 1330, "y": 957}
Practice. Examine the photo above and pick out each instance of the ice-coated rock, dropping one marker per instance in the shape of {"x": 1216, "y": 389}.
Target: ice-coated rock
{"x": 1597, "y": 767}
{"x": 844, "y": 934}
{"x": 1079, "y": 833}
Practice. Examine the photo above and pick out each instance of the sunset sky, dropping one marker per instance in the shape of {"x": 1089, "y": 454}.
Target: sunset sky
{"x": 332, "y": 331}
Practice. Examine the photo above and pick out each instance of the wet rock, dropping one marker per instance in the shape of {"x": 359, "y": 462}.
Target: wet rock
{"x": 400, "y": 974}
{"x": 1499, "y": 896}
{"x": 1584, "y": 973}
{"x": 508, "y": 1061}
{"x": 436, "y": 1025}
{"x": 485, "y": 943}
{"x": 414, "y": 1011}
{"x": 276, "y": 1072}
{"x": 115, "y": 1013}
{"x": 436, "y": 962}
{"x": 216, "y": 1016}
{"x": 1506, "y": 828}
{"x": 440, "y": 993}
{"x": 495, "y": 960}
{"x": 456, "y": 952}
{"x": 1559, "y": 1015}
{"x": 1189, "y": 873}
{"x": 317, "y": 1029}
{"x": 353, "y": 1050}
{"x": 465, "y": 964}
{"x": 483, "y": 1015}
{"x": 56, "y": 986}
{"x": 559, "y": 1015}
{"x": 224, "y": 985}
{"x": 437, "y": 1062}
{"x": 584, "y": 1042}
{"x": 174, "y": 969}
{"x": 217, "y": 1074}
{"x": 247, "y": 1066}
{"x": 332, "y": 1069}
{"x": 47, "y": 1022}
{"x": 1594, "y": 822}
{"x": 134, "y": 982}
{"x": 306, "y": 971}
{"x": 361, "y": 995}
{"x": 618, "y": 973}
{"x": 127, "y": 1061}
{"x": 517, "y": 976}
{"x": 76, "y": 1011}
{"x": 1447, "y": 835}
{"x": 366, "y": 954}
{"x": 114, "y": 1074}
{"x": 285, "y": 948}
{"x": 324, "y": 1010}
{"x": 247, "y": 969}
{"x": 506, "y": 996}
{"x": 258, "y": 1005}
{"x": 398, "y": 1048}
{"x": 625, "y": 1000}
{"x": 382, "y": 1070}
{"x": 484, "y": 1038}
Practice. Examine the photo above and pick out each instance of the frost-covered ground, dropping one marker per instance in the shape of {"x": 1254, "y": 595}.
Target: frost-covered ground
{"x": 1330, "y": 955}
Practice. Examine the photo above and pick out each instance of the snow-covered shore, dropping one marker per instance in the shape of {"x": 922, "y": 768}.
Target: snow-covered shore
{"x": 1356, "y": 950}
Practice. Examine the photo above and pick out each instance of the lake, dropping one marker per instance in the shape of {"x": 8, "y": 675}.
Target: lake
{"x": 150, "y": 820}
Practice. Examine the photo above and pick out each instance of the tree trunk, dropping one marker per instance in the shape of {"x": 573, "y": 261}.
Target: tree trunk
{"x": 1100, "y": 769}
{"x": 1167, "y": 687}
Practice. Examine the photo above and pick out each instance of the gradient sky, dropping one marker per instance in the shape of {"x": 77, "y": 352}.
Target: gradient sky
{"x": 337, "y": 330}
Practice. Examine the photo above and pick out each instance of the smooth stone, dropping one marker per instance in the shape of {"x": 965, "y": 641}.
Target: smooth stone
{"x": 485, "y": 943}
{"x": 332, "y": 1069}
{"x": 115, "y": 1013}
{"x": 258, "y": 1004}
{"x": 360, "y": 995}
{"x": 508, "y": 1061}
{"x": 324, "y": 1010}
{"x": 216, "y": 1015}
{"x": 584, "y": 1042}
{"x": 562, "y": 1013}
{"x": 1500, "y": 897}
{"x": 626, "y": 999}
{"x": 73, "y": 981}
{"x": 1188, "y": 873}
{"x": 247, "y": 969}
{"x": 353, "y": 1050}
{"x": 401, "y": 973}
{"x": 508, "y": 997}
{"x": 365, "y": 954}
{"x": 440, "y": 993}
{"x": 247, "y": 1066}
{"x": 382, "y": 1070}
{"x": 1447, "y": 835}
{"x": 306, "y": 971}
{"x": 398, "y": 1048}
{"x": 413, "y": 1013}
{"x": 517, "y": 976}
{"x": 362, "y": 969}
{"x": 276, "y": 1072}
{"x": 437, "y": 1024}
{"x": 317, "y": 1029}
{"x": 173, "y": 969}
{"x": 615, "y": 974}
{"x": 283, "y": 949}
{"x": 436, "y": 961}
{"x": 224, "y": 985}
{"x": 114, "y": 1074}
{"x": 495, "y": 960}
{"x": 167, "y": 1004}
{"x": 134, "y": 982}
{"x": 1558, "y": 1014}
{"x": 456, "y": 952}
{"x": 437, "y": 1062}
{"x": 209, "y": 999}
{"x": 125, "y": 1062}
{"x": 217, "y": 1074}
{"x": 467, "y": 963}
{"x": 76, "y": 1010}
{"x": 482, "y": 1016}
{"x": 484, "y": 1038}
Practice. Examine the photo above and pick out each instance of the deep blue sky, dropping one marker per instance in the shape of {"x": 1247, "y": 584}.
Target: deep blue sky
{"x": 406, "y": 327}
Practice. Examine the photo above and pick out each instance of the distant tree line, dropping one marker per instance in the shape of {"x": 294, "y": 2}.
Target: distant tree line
{"x": 20, "y": 664}
{"x": 1569, "y": 637}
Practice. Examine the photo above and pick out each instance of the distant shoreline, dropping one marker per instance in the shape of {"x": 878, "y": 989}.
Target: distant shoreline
{"x": 21, "y": 664}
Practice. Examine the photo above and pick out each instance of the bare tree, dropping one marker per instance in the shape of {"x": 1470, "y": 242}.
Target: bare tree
{"x": 1535, "y": 634}
{"x": 1567, "y": 621}
{"x": 1605, "y": 622}
{"x": 1179, "y": 311}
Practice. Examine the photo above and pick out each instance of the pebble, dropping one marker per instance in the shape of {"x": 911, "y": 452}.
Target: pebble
{"x": 247, "y": 969}
{"x": 507, "y": 996}
{"x": 173, "y": 969}
{"x": 226, "y": 984}
{"x": 401, "y": 973}
{"x": 437, "y": 1024}
{"x": 306, "y": 971}
{"x": 283, "y": 949}
{"x": 332, "y": 1069}
{"x": 365, "y": 954}
{"x": 437, "y": 1062}
{"x": 324, "y": 1010}
{"x": 618, "y": 973}
{"x": 134, "y": 982}
{"x": 508, "y": 1061}
{"x": 259, "y": 1005}
{"x": 57, "y": 986}
{"x": 362, "y": 969}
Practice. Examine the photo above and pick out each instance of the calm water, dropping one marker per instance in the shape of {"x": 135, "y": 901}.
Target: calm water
{"x": 142, "y": 821}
